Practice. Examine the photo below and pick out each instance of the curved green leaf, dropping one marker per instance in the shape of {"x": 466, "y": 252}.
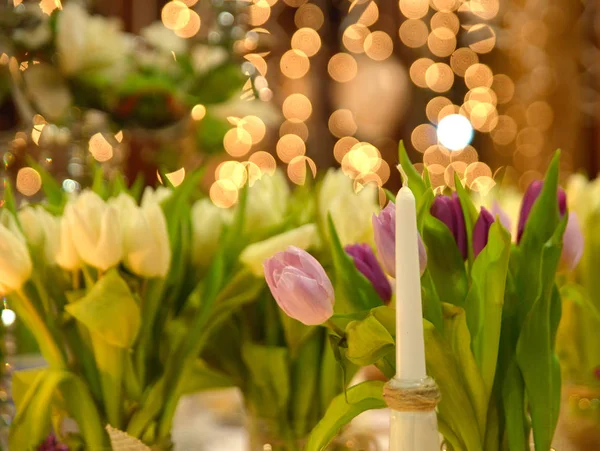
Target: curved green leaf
{"x": 343, "y": 408}
{"x": 415, "y": 182}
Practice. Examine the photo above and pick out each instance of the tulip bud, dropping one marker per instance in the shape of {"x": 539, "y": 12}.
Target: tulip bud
{"x": 95, "y": 230}
{"x": 15, "y": 262}
{"x": 367, "y": 264}
{"x": 208, "y": 222}
{"x": 300, "y": 286}
{"x": 498, "y": 212}
{"x": 41, "y": 229}
{"x": 267, "y": 201}
{"x": 66, "y": 256}
{"x": 482, "y": 230}
{"x": 156, "y": 195}
{"x": 573, "y": 243}
{"x": 384, "y": 228}
{"x": 531, "y": 195}
{"x": 449, "y": 211}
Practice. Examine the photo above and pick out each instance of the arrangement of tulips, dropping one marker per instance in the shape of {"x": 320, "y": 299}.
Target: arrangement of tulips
{"x": 491, "y": 312}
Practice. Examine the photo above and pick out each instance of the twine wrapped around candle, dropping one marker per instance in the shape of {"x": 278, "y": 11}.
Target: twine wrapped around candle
{"x": 422, "y": 396}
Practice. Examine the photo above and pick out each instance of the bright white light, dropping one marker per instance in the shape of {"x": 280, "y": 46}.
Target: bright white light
{"x": 8, "y": 317}
{"x": 455, "y": 132}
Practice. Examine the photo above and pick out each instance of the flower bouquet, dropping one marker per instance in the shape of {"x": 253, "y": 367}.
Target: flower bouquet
{"x": 491, "y": 313}
{"x": 121, "y": 304}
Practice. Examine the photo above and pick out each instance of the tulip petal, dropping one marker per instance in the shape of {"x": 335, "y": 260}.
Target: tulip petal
{"x": 482, "y": 230}
{"x": 303, "y": 299}
{"x": 573, "y": 243}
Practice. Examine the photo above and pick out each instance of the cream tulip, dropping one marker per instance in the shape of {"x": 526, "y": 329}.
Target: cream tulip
{"x": 267, "y": 201}
{"x": 15, "y": 261}
{"x": 157, "y": 195}
{"x": 351, "y": 212}
{"x": 41, "y": 229}
{"x": 95, "y": 230}
{"x": 304, "y": 237}
{"x": 208, "y": 222}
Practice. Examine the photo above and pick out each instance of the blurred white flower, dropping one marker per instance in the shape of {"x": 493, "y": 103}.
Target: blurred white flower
{"x": 95, "y": 230}
{"x": 304, "y": 237}
{"x": 36, "y": 37}
{"x": 90, "y": 43}
{"x": 267, "y": 201}
{"x": 156, "y": 195}
{"x": 351, "y": 212}
{"x": 41, "y": 229}
{"x": 15, "y": 261}
{"x": 208, "y": 222}
{"x": 205, "y": 57}
{"x": 163, "y": 39}
{"x": 48, "y": 90}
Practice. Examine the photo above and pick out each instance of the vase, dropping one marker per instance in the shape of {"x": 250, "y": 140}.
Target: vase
{"x": 579, "y": 422}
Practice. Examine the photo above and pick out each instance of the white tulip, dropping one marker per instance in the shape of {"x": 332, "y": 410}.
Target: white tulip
{"x": 156, "y": 195}
{"x": 163, "y": 39}
{"x": 41, "y": 229}
{"x": 95, "y": 230}
{"x": 208, "y": 222}
{"x": 267, "y": 201}
{"x": 66, "y": 257}
{"x": 351, "y": 212}
{"x": 90, "y": 43}
{"x": 15, "y": 261}
{"x": 304, "y": 237}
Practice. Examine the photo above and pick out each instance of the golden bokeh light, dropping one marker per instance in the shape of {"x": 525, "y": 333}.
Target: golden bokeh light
{"x": 481, "y": 94}
{"x": 294, "y": 64}
{"x": 476, "y": 170}
{"x": 294, "y": 127}
{"x": 100, "y": 148}
{"x": 413, "y": 33}
{"x": 462, "y": 59}
{"x": 119, "y": 136}
{"x": 341, "y": 123}
{"x": 445, "y": 20}
{"x": 485, "y": 9}
{"x": 423, "y": 136}
{"x": 190, "y": 29}
{"x": 265, "y": 161}
{"x": 434, "y": 106}
{"x": 297, "y": 107}
{"x": 447, "y": 110}
{"x": 483, "y": 185}
{"x": 455, "y": 168}
{"x": 175, "y": 178}
{"x": 190, "y": 3}
{"x": 370, "y": 15}
{"x": 342, "y": 67}
{"x": 29, "y": 181}
{"x": 343, "y": 146}
{"x": 379, "y": 45}
{"x": 530, "y": 136}
{"x": 505, "y": 131}
{"x": 363, "y": 158}
{"x": 468, "y": 155}
{"x": 254, "y": 126}
{"x": 36, "y": 132}
{"x": 479, "y": 45}
{"x": 175, "y": 15}
{"x": 414, "y": 9}
{"x": 297, "y": 172}
{"x": 484, "y": 117}
{"x": 259, "y": 63}
{"x": 384, "y": 172}
{"x": 307, "y": 41}
{"x": 310, "y": 16}
{"x": 258, "y": 12}
{"x": 436, "y": 155}
{"x": 237, "y": 142}
{"x": 441, "y": 42}
{"x": 47, "y": 6}
{"x": 478, "y": 75}
{"x": 354, "y": 37}
{"x": 223, "y": 193}
{"x": 436, "y": 175}
{"x": 418, "y": 70}
{"x": 446, "y": 5}
{"x": 540, "y": 115}
{"x": 439, "y": 77}
{"x": 294, "y": 3}
{"x": 198, "y": 112}
{"x": 253, "y": 171}
{"x": 233, "y": 171}
{"x": 290, "y": 147}
{"x": 504, "y": 88}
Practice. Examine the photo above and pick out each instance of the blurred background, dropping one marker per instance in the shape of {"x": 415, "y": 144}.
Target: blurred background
{"x": 166, "y": 86}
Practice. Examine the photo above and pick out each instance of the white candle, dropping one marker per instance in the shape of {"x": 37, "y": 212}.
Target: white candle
{"x": 410, "y": 346}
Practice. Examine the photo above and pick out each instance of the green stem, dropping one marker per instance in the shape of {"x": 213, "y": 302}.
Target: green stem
{"x": 151, "y": 300}
{"x": 78, "y": 338}
{"x": 339, "y": 332}
{"x": 110, "y": 365}
{"x": 46, "y": 339}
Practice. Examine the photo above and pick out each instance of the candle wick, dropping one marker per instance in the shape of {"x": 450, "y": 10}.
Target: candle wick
{"x": 403, "y": 175}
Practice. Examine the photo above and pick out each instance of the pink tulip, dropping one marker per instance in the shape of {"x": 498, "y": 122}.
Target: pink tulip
{"x": 300, "y": 286}
{"x": 573, "y": 244}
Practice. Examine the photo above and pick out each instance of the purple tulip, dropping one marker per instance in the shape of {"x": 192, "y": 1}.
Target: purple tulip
{"x": 573, "y": 244}
{"x": 449, "y": 211}
{"x": 531, "y": 195}
{"x": 482, "y": 230}
{"x": 505, "y": 220}
{"x": 384, "y": 228}
{"x": 51, "y": 444}
{"x": 367, "y": 264}
{"x": 300, "y": 286}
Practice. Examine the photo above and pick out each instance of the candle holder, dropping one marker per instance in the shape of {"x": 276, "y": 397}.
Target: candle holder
{"x": 413, "y": 422}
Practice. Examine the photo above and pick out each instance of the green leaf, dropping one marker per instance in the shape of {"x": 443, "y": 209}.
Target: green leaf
{"x": 9, "y": 200}
{"x": 513, "y": 399}
{"x": 269, "y": 376}
{"x": 485, "y": 301}
{"x": 389, "y": 195}
{"x": 118, "y": 185}
{"x": 203, "y": 377}
{"x": 368, "y": 341}
{"x": 577, "y": 294}
{"x": 432, "y": 306}
{"x": 415, "y": 182}
{"x": 344, "y": 408}
{"x": 444, "y": 262}
{"x": 22, "y": 381}
{"x": 109, "y": 310}
{"x": 219, "y": 84}
{"x": 332, "y": 374}
{"x": 469, "y": 212}
{"x": 357, "y": 293}
{"x": 98, "y": 184}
